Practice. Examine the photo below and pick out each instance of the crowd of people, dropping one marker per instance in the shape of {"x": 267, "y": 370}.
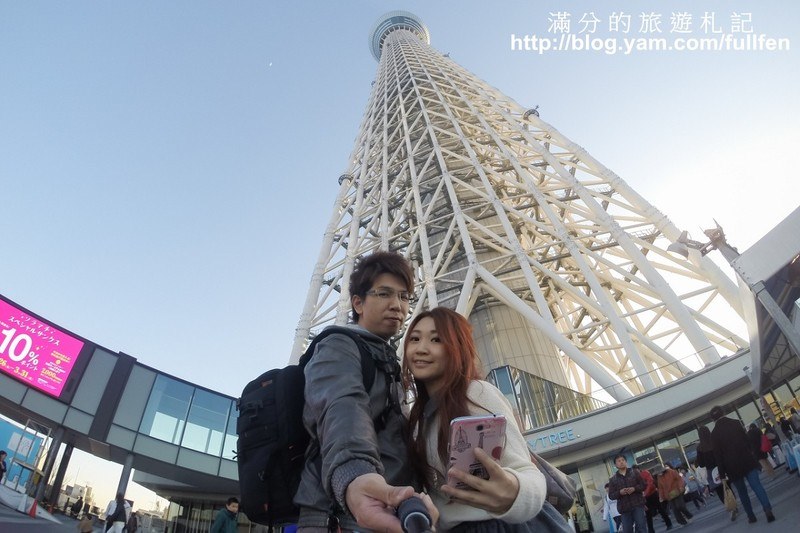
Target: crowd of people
{"x": 727, "y": 456}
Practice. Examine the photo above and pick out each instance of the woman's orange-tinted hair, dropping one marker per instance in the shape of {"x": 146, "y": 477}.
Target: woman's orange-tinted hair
{"x": 455, "y": 334}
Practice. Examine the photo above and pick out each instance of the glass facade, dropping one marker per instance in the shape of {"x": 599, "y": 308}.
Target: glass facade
{"x": 689, "y": 441}
{"x": 784, "y": 397}
{"x": 197, "y": 517}
{"x": 205, "y": 426}
{"x": 194, "y": 418}
{"x": 647, "y": 457}
{"x": 670, "y": 452}
{"x": 166, "y": 411}
{"x": 749, "y": 414}
{"x": 794, "y": 384}
{"x": 538, "y": 401}
{"x": 593, "y": 481}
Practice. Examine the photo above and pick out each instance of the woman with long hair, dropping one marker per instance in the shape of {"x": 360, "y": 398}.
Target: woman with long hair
{"x": 440, "y": 364}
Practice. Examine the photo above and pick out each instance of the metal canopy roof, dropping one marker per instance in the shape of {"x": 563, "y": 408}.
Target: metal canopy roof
{"x": 770, "y": 269}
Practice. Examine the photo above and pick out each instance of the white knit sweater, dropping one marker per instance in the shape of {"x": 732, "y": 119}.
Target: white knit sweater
{"x": 515, "y": 459}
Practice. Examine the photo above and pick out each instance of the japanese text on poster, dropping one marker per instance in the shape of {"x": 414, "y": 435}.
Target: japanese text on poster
{"x": 35, "y": 352}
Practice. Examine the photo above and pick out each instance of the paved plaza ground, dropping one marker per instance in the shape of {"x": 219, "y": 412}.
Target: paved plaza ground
{"x": 783, "y": 491}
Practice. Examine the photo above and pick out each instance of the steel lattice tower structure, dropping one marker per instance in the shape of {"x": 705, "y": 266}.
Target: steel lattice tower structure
{"x": 560, "y": 266}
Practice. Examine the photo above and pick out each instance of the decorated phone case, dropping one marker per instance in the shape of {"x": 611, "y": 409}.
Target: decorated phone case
{"x": 487, "y": 432}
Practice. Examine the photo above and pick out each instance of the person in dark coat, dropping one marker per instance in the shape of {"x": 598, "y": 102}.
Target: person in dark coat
{"x": 77, "y": 506}
{"x": 705, "y": 458}
{"x": 786, "y": 427}
{"x": 226, "y": 520}
{"x": 735, "y": 460}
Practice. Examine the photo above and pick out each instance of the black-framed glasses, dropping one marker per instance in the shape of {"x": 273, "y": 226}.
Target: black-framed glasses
{"x": 385, "y": 293}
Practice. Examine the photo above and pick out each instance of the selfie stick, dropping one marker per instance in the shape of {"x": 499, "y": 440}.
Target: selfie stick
{"x": 414, "y": 516}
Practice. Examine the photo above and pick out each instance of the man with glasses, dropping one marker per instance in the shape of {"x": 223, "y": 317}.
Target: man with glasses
{"x": 358, "y": 468}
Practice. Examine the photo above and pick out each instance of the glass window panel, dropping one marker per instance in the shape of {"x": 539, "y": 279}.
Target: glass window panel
{"x": 522, "y": 398}
{"x": 229, "y": 448}
{"x": 593, "y": 481}
{"x": 205, "y": 427}
{"x": 749, "y": 414}
{"x": 502, "y": 380}
{"x": 540, "y": 402}
{"x": 773, "y": 402}
{"x": 689, "y": 441}
{"x": 165, "y": 414}
{"x": 670, "y": 452}
{"x": 795, "y": 385}
{"x": 646, "y": 457}
{"x": 784, "y": 396}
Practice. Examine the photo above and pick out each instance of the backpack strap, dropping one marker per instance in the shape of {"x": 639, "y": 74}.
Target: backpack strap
{"x": 367, "y": 362}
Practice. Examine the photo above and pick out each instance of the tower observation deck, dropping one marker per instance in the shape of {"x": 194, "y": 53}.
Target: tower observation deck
{"x": 396, "y": 20}
{"x": 559, "y": 264}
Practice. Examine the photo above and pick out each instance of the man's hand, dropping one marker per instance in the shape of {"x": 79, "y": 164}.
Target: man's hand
{"x": 496, "y": 494}
{"x": 372, "y": 503}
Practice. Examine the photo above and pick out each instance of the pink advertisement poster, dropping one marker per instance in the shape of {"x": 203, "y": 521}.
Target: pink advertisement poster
{"x": 35, "y": 352}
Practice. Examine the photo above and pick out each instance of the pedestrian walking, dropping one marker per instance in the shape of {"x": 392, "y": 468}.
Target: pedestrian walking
{"x": 735, "y": 461}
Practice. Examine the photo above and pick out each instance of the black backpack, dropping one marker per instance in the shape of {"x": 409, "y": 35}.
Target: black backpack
{"x": 272, "y": 439}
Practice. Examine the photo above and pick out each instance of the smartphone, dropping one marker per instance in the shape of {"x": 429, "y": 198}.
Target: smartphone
{"x": 487, "y": 432}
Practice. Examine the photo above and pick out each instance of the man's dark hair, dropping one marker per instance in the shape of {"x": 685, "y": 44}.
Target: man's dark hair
{"x": 618, "y": 456}
{"x": 716, "y": 412}
{"x": 231, "y": 500}
{"x": 369, "y": 267}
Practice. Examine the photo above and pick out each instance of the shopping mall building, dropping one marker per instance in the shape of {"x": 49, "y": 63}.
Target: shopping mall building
{"x": 178, "y": 438}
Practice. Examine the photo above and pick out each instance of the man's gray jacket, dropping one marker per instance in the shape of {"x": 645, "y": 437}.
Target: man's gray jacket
{"x": 342, "y": 418}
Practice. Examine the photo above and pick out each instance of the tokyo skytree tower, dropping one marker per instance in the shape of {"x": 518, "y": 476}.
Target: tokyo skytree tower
{"x": 560, "y": 266}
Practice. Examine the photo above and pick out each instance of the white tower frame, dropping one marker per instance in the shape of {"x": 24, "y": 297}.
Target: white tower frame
{"x": 495, "y": 207}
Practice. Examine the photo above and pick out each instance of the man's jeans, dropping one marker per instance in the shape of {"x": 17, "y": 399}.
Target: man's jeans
{"x": 637, "y": 516}
{"x": 754, "y": 481}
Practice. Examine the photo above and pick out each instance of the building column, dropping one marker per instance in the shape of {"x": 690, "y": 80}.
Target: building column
{"x": 60, "y": 473}
{"x": 126, "y": 474}
{"x": 55, "y": 444}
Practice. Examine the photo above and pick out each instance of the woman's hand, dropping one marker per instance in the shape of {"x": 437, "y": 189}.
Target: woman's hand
{"x": 495, "y": 495}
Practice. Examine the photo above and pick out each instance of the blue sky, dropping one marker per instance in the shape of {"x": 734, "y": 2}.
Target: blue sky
{"x": 167, "y": 169}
